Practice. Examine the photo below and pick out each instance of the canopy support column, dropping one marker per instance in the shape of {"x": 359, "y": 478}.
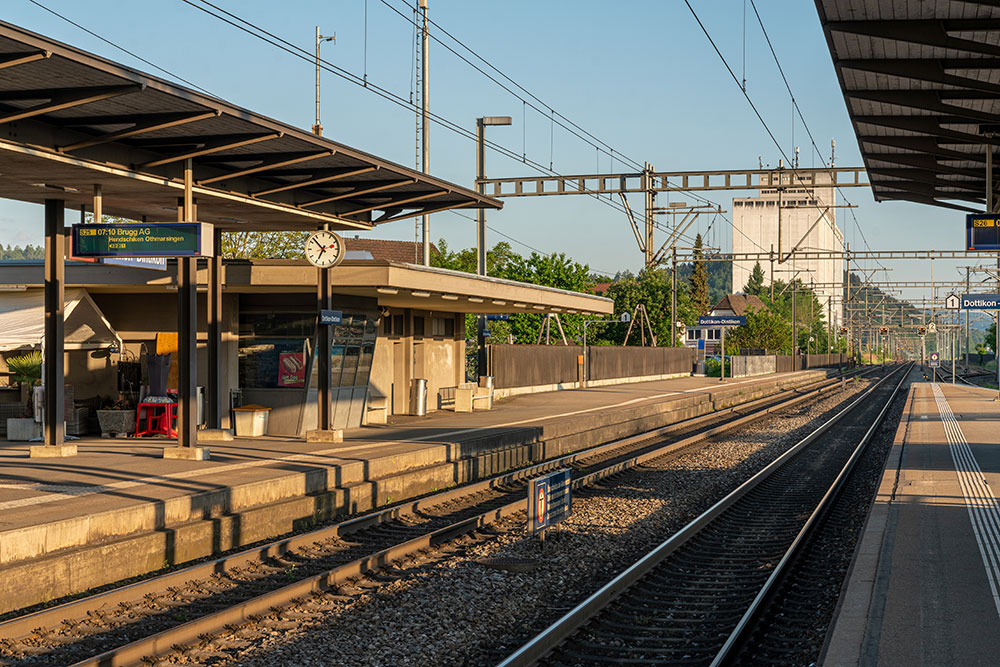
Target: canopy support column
{"x": 187, "y": 341}
{"x": 215, "y": 404}
{"x": 53, "y": 413}
{"x": 324, "y": 431}
{"x": 324, "y": 419}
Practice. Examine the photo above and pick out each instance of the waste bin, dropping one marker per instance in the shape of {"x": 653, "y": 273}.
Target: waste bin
{"x": 418, "y": 397}
{"x": 251, "y": 420}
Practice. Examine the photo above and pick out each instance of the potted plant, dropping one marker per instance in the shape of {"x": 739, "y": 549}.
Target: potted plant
{"x": 117, "y": 418}
{"x": 25, "y": 369}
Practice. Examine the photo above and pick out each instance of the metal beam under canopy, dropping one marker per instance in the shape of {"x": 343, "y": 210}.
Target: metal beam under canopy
{"x": 920, "y": 81}
{"x": 70, "y": 120}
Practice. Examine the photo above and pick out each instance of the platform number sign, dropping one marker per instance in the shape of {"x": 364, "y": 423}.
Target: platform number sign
{"x": 935, "y": 360}
{"x": 549, "y": 501}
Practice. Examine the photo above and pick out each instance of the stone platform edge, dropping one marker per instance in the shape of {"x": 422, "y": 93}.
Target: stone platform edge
{"x": 72, "y": 555}
{"x": 845, "y": 642}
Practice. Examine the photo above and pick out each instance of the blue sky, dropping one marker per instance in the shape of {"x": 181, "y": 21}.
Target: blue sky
{"x": 641, "y": 76}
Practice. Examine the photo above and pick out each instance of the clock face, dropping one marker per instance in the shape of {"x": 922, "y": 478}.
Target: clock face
{"x": 324, "y": 249}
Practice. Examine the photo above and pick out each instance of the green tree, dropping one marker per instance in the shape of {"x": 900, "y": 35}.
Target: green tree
{"x": 650, "y": 288}
{"x": 498, "y": 259}
{"x": 555, "y": 270}
{"x": 755, "y": 284}
{"x": 991, "y": 337}
{"x": 263, "y": 245}
{"x": 699, "y": 280}
{"x": 764, "y": 330}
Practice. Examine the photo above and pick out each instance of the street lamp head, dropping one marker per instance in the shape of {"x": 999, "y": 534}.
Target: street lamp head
{"x": 496, "y": 120}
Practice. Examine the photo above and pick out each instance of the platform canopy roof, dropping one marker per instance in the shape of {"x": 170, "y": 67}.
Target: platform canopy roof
{"x": 70, "y": 120}
{"x": 922, "y": 85}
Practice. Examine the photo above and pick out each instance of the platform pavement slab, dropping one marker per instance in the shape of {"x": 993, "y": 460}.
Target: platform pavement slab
{"x": 923, "y": 586}
{"x": 115, "y": 465}
{"x": 118, "y": 509}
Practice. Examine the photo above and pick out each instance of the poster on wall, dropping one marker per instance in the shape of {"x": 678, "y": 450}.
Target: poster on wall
{"x": 291, "y": 369}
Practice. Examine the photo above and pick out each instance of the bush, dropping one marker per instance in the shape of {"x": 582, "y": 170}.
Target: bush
{"x": 713, "y": 367}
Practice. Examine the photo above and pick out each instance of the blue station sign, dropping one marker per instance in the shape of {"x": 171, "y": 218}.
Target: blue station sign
{"x": 722, "y": 320}
{"x": 549, "y": 500}
{"x": 981, "y": 301}
{"x": 328, "y": 317}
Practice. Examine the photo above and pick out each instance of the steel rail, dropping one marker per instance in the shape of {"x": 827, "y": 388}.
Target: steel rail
{"x": 553, "y": 636}
{"x": 133, "y": 653}
{"x": 22, "y": 626}
{"x": 740, "y": 633}
{"x": 938, "y": 372}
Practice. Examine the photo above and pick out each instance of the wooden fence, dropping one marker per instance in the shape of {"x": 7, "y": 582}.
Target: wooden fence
{"x": 534, "y": 365}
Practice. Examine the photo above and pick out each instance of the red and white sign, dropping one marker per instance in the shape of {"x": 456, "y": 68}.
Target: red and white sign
{"x": 541, "y": 504}
{"x": 291, "y": 369}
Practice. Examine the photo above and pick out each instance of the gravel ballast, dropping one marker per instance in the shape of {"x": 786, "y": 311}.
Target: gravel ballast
{"x": 455, "y": 608}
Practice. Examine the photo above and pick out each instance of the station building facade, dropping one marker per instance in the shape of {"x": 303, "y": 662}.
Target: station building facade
{"x": 400, "y": 322}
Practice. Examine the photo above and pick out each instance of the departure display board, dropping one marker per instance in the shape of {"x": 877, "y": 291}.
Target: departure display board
{"x": 161, "y": 239}
{"x": 982, "y": 231}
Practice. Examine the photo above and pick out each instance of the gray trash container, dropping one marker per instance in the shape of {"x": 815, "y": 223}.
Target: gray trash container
{"x": 418, "y": 397}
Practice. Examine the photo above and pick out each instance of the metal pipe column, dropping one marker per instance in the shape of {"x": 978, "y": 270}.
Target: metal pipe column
{"x": 55, "y": 282}
{"x": 215, "y": 404}
{"x": 425, "y": 153}
{"x": 481, "y": 369}
{"x": 673, "y": 300}
{"x": 187, "y": 329}
{"x": 323, "y": 345}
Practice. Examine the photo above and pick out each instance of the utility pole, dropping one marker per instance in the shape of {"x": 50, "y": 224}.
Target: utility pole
{"x": 324, "y": 300}
{"x": 968, "y": 343}
{"x": 673, "y": 300}
{"x": 772, "y": 272}
{"x": 425, "y": 152}
{"x": 481, "y": 124}
{"x": 795, "y": 340}
{"x": 318, "y": 128}
{"x": 650, "y": 203}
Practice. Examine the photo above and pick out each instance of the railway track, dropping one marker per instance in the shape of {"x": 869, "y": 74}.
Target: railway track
{"x": 131, "y": 625}
{"x": 695, "y": 598}
{"x": 945, "y": 376}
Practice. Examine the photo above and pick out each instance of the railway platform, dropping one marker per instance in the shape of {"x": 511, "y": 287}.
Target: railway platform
{"x": 924, "y": 587}
{"x": 118, "y": 509}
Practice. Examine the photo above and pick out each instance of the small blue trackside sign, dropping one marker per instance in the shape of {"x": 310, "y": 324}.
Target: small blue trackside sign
{"x": 550, "y": 500}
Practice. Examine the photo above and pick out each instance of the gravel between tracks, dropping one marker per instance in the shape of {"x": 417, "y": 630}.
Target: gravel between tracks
{"x": 456, "y": 611}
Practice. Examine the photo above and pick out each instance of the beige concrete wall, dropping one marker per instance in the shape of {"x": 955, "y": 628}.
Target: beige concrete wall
{"x": 439, "y": 359}
{"x": 380, "y": 380}
{"x": 91, "y": 373}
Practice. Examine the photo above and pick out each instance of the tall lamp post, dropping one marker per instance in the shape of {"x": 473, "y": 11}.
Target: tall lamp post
{"x": 481, "y": 124}
{"x": 318, "y": 128}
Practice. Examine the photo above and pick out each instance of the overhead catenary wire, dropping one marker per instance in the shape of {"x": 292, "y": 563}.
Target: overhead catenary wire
{"x": 292, "y": 49}
{"x": 121, "y": 48}
{"x": 555, "y": 118}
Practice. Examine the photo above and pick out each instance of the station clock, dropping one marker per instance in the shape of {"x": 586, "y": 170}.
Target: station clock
{"x": 324, "y": 249}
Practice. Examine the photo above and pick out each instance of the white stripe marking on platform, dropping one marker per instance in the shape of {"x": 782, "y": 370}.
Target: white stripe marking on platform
{"x": 979, "y": 500}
